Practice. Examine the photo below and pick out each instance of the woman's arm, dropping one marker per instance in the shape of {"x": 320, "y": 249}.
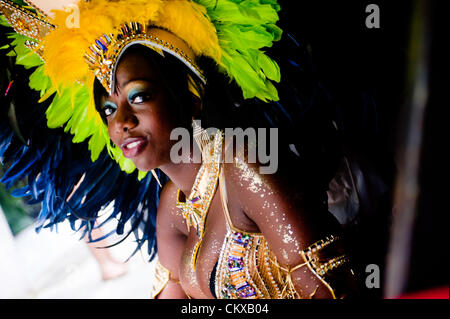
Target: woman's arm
{"x": 171, "y": 242}
{"x": 288, "y": 223}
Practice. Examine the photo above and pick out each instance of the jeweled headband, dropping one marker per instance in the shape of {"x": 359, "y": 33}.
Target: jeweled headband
{"x": 104, "y": 56}
{"x": 232, "y": 32}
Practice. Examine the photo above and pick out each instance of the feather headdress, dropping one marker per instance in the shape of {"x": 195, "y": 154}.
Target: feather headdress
{"x": 64, "y": 151}
{"x": 232, "y": 32}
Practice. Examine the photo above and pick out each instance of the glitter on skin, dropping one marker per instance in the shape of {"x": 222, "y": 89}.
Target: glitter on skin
{"x": 287, "y": 239}
{"x": 249, "y": 176}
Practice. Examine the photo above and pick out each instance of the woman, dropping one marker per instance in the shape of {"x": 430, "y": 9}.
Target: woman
{"x": 143, "y": 111}
{"x": 223, "y": 229}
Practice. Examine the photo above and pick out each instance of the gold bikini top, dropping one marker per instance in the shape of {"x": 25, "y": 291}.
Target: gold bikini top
{"x": 247, "y": 268}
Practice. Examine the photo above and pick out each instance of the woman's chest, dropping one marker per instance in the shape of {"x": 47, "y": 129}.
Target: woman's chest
{"x": 200, "y": 256}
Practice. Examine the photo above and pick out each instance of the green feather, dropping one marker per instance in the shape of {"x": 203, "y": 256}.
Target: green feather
{"x": 246, "y": 37}
{"x": 275, "y": 31}
{"x": 57, "y": 113}
{"x": 247, "y": 12}
{"x": 98, "y": 142}
{"x": 39, "y": 81}
{"x": 24, "y": 56}
{"x": 4, "y": 22}
{"x": 244, "y": 28}
{"x": 125, "y": 164}
{"x": 269, "y": 67}
{"x": 141, "y": 175}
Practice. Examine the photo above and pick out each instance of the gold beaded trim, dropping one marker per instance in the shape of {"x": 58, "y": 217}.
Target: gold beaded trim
{"x": 24, "y": 21}
{"x": 35, "y": 7}
{"x": 162, "y": 277}
{"x": 320, "y": 267}
{"x": 34, "y": 46}
{"x": 196, "y": 207}
{"x": 105, "y": 53}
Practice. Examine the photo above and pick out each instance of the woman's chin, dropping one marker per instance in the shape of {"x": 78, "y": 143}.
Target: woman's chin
{"x": 142, "y": 159}
{"x": 145, "y": 168}
{"x": 144, "y": 165}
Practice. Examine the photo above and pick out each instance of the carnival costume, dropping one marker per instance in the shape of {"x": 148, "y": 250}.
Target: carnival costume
{"x": 67, "y": 59}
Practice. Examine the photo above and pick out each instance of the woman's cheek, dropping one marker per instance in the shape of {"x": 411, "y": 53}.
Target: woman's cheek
{"x": 111, "y": 134}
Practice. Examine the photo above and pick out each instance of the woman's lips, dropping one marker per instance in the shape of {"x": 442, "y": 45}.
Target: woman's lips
{"x": 133, "y": 146}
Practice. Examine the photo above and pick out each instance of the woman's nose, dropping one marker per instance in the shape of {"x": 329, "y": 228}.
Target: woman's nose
{"x": 125, "y": 119}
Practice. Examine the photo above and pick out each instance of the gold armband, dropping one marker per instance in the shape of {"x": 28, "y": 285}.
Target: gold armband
{"x": 317, "y": 258}
{"x": 162, "y": 277}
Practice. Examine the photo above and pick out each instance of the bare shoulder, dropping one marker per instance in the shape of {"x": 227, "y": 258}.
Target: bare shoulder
{"x": 275, "y": 201}
{"x": 252, "y": 193}
{"x": 249, "y": 178}
{"x": 169, "y": 215}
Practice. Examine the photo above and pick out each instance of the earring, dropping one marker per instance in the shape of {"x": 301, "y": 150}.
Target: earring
{"x": 201, "y": 136}
{"x": 156, "y": 177}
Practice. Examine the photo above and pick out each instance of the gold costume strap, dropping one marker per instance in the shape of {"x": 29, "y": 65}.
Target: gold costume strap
{"x": 289, "y": 291}
{"x": 224, "y": 200}
{"x": 318, "y": 265}
{"x": 162, "y": 278}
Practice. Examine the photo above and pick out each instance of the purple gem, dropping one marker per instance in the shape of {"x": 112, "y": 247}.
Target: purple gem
{"x": 195, "y": 199}
{"x": 100, "y": 44}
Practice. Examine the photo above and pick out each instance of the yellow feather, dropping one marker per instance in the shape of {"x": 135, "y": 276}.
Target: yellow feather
{"x": 47, "y": 94}
{"x": 65, "y": 47}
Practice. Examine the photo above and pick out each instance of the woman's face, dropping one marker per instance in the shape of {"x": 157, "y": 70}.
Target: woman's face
{"x": 139, "y": 114}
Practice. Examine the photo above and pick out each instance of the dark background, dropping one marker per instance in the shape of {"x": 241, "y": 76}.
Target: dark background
{"x": 366, "y": 73}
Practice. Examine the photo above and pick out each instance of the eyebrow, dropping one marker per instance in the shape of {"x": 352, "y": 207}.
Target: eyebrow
{"x": 146, "y": 79}
{"x": 117, "y": 88}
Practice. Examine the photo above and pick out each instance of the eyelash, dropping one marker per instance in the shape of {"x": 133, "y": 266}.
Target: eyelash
{"x": 144, "y": 95}
{"x": 107, "y": 107}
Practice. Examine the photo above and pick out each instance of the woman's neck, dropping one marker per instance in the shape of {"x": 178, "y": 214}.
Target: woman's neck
{"x": 182, "y": 175}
